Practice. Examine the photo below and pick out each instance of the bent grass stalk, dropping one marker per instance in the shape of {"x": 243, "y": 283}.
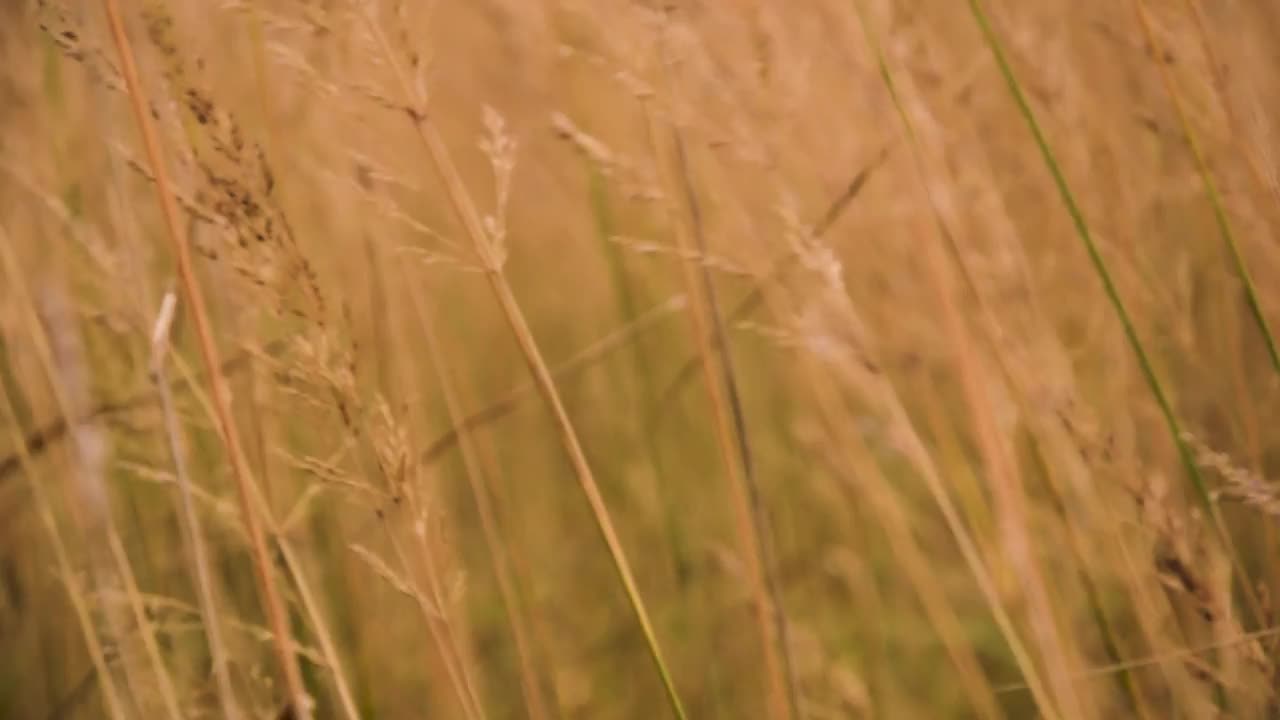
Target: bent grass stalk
{"x": 464, "y": 208}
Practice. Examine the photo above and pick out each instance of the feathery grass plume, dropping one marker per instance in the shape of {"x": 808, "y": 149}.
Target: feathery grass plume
{"x": 238, "y": 186}
{"x": 1241, "y": 484}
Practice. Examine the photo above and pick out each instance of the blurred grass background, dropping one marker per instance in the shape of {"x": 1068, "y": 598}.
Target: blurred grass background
{"x": 967, "y": 502}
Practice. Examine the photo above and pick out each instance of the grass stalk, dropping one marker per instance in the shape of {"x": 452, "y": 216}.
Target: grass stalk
{"x": 432, "y": 612}
{"x": 442, "y": 605}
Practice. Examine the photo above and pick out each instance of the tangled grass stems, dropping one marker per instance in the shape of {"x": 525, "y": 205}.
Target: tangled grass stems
{"x": 1220, "y": 216}
{"x": 930, "y": 379}
{"x": 289, "y": 558}
{"x": 990, "y": 326}
{"x": 61, "y": 355}
{"x": 491, "y": 259}
{"x": 1185, "y": 455}
{"x": 995, "y": 457}
{"x": 66, "y": 569}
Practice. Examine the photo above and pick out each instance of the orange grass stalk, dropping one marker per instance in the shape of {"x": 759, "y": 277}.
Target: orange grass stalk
{"x": 274, "y": 606}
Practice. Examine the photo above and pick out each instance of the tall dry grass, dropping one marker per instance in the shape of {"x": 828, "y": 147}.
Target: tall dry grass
{"x": 602, "y": 360}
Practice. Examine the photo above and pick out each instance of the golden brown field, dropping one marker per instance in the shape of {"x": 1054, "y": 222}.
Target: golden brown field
{"x": 559, "y": 359}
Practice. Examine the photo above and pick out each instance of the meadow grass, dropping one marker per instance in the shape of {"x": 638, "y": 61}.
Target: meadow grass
{"x": 835, "y": 359}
